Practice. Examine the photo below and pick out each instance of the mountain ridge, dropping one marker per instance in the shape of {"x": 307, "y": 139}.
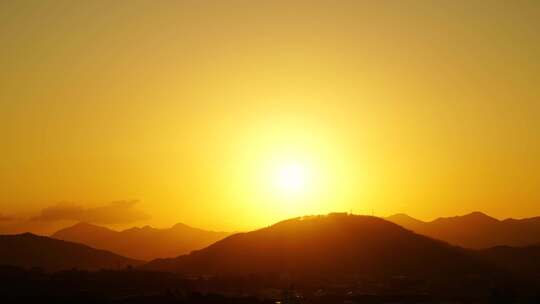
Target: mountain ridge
{"x": 475, "y": 230}
{"x": 144, "y": 243}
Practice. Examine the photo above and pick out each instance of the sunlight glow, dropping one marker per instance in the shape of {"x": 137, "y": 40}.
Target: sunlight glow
{"x": 291, "y": 178}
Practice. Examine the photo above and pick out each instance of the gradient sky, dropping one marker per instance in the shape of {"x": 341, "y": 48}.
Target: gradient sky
{"x": 426, "y": 107}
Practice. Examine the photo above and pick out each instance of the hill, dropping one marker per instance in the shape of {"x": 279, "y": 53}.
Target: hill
{"x": 327, "y": 246}
{"x": 145, "y": 243}
{"x": 29, "y": 251}
{"x": 476, "y": 230}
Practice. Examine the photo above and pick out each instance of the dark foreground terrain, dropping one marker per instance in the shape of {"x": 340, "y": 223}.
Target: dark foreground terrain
{"x": 134, "y": 286}
{"x": 337, "y": 258}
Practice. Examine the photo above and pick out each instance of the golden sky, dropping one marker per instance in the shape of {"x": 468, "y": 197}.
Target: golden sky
{"x": 431, "y": 108}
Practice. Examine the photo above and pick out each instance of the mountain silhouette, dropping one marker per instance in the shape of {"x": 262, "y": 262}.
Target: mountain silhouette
{"x": 326, "y": 246}
{"x": 28, "y": 251}
{"x": 144, "y": 243}
{"x": 475, "y": 230}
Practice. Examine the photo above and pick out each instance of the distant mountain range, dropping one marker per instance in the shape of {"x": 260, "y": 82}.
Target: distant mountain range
{"x": 29, "y": 251}
{"x": 335, "y": 245}
{"x": 326, "y": 246}
{"x": 475, "y": 230}
{"x": 145, "y": 243}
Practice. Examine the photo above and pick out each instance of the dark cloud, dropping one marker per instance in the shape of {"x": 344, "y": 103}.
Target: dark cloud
{"x": 119, "y": 212}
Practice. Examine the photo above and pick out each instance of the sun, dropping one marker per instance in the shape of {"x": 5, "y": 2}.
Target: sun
{"x": 291, "y": 178}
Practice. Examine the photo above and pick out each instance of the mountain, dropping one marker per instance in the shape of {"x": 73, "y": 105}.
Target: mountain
{"x": 475, "y": 230}
{"x": 145, "y": 243}
{"x": 326, "y": 246}
{"x": 29, "y": 250}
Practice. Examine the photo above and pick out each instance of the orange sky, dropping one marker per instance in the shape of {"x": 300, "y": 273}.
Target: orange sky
{"x": 426, "y": 107}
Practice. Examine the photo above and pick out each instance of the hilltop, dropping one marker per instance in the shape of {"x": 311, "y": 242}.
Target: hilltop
{"x": 331, "y": 245}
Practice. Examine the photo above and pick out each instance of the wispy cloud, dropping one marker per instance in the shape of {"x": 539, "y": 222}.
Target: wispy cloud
{"x": 118, "y": 212}
{"x": 5, "y": 218}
